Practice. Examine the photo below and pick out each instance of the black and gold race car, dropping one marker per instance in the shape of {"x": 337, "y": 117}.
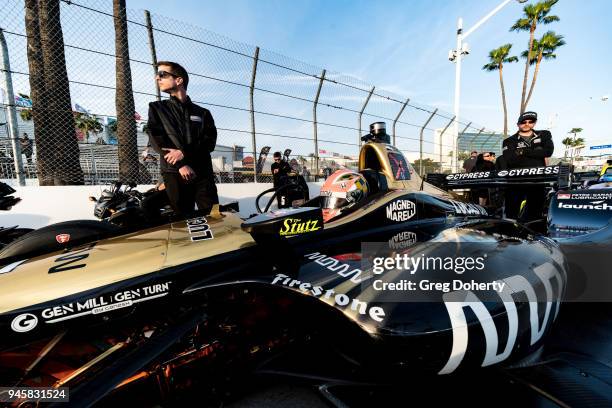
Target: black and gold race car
{"x": 412, "y": 291}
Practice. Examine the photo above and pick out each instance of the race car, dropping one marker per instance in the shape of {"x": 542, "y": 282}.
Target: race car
{"x": 408, "y": 287}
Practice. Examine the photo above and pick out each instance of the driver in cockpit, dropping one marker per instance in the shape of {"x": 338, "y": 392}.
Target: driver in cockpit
{"x": 342, "y": 191}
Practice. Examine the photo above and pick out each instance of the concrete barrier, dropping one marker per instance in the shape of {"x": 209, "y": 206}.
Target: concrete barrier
{"x": 41, "y": 206}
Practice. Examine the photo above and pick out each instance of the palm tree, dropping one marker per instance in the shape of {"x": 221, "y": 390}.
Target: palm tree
{"x": 66, "y": 166}
{"x": 567, "y": 142}
{"x": 86, "y": 124}
{"x": 498, "y": 57}
{"x": 575, "y": 131}
{"x": 26, "y": 114}
{"x": 124, "y": 98}
{"x": 543, "y": 49}
{"x": 534, "y": 14}
{"x": 45, "y": 148}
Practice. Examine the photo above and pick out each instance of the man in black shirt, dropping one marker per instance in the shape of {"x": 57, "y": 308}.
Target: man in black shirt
{"x": 280, "y": 170}
{"x": 184, "y": 135}
{"x": 527, "y": 148}
{"x": 470, "y": 162}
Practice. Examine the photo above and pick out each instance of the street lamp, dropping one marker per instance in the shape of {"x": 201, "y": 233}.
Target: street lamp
{"x": 455, "y": 56}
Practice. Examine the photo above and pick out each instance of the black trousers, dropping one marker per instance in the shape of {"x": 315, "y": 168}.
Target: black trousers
{"x": 535, "y": 196}
{"x": 185, "y": 195}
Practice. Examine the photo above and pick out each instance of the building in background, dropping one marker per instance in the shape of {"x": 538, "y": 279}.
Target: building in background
{"x": 481, "y": 142}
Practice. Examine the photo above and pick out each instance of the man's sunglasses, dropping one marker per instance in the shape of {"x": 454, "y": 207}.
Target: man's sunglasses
{"x": 528, "y": 122}
{"x": 164, "y": 74}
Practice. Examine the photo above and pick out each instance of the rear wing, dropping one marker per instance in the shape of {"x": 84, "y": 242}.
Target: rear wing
{"x": 545, "y": 175}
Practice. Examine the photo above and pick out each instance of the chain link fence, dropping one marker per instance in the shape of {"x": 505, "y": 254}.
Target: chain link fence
{"x": 78, "y": 77}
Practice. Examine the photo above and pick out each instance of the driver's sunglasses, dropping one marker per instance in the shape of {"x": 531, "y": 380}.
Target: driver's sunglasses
{"x": 528, "y": 122}
{"x": 164, "y": 74}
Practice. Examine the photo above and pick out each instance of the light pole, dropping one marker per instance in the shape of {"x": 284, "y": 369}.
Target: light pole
{"x": 456, "y": 56}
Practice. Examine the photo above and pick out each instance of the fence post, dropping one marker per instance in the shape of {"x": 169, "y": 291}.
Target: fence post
{"x": 314, "y": 114}
{"x": 361, "y": 114}
{"x": 12, "y": 113}
{"x": 252, "y": 109}
{"x": 442, "y": 134}
{"x": 153, "y": 52}
{"x": 421, "y": 141}
{"x": 398, "y": 116}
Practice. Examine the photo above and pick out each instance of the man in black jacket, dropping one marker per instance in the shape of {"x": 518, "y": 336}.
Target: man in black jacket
{"x": 184, "y": 135}
{"x": 280, "y": 169}
{"x": 527, "y": 148}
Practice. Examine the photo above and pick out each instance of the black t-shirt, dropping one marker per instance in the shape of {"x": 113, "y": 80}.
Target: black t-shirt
{"x": 283, "y": 169}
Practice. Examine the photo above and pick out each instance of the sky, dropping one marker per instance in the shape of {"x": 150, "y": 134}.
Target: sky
{"x": 402, "y": 46}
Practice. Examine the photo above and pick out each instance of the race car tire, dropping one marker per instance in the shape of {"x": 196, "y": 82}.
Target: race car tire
{"x": 56, "y": 237}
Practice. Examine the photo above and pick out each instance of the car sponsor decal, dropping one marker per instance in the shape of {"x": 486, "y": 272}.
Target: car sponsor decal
{"x": 533, "y": 171}
{"x": 400, "y": 210}
{"x": 62, "y": 238}
{"x": 468, "y": 208}
{"x": 469, "y": 176}
{"x": 70, "y": 260}
{"x": 336, "y": 266}
{"x": 590, "y": 196}
{"x": 561, "y": 196}
{"x": 600, "y": 205}
{"x": 24, "y": 322}
{"x": 295, "y": 226}
{"x": 330, "y": 296}
{"x": 104, "y": 303}
{"x": 199, "y": 230}
{"x": 403, "y": 240}
{"x": 457, "y": 301}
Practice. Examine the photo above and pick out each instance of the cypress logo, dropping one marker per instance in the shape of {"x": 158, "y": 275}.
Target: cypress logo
{"x": 401, "y": 210}
{"x": 295, "y": 226}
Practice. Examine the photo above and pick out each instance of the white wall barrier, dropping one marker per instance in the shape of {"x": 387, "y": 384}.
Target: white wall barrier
{"x": 41, "y": 206}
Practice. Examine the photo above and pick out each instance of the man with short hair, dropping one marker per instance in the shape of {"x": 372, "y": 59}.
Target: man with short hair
{"x": 280, "y": 169}
{"x": 184, "y": 135}
{"x": 527, "y": 148}
{"x": 470, "y": 162}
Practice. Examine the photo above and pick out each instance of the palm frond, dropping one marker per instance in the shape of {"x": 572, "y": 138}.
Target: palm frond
{"x": 522, "y": 24}
{"x": 550, "y": 19}
{"x": 490, "y": 67}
